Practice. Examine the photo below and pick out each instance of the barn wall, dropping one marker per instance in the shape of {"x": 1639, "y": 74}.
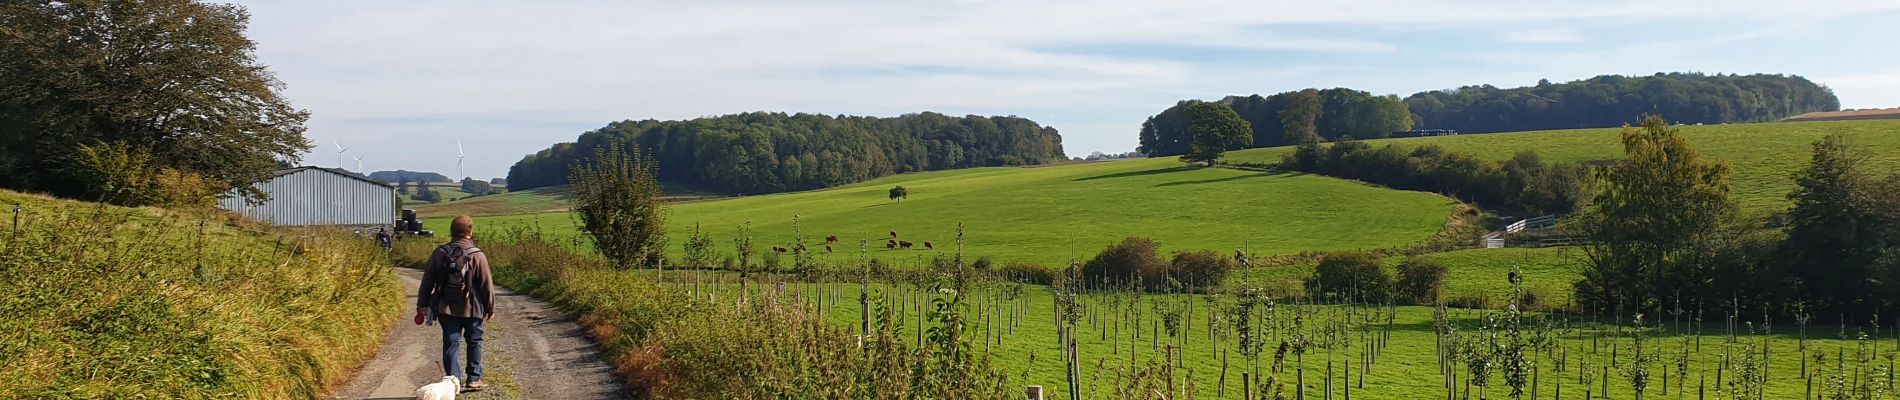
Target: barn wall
{"x": 317, "y": 197}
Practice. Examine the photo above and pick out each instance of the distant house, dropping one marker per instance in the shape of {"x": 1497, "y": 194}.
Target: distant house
{"x": 312, "y": 196}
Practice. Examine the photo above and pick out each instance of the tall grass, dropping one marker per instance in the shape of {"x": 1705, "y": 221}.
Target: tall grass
{"x": 764, "y": 341}
{"x": 108, "y": 302}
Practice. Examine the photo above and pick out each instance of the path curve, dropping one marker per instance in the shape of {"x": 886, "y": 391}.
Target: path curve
{"x": 532, "y": 351}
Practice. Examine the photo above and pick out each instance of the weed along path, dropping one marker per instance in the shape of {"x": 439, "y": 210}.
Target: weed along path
{"x": 532, "y": 351}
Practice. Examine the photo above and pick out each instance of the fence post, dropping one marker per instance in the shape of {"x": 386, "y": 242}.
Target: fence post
{"x": 16, "y": 220}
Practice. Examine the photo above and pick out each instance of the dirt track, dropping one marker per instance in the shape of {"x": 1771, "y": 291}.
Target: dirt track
{"x": 532, "y": 352}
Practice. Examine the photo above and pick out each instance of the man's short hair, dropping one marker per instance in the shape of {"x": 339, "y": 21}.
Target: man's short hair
{"x": 462, "y": 227}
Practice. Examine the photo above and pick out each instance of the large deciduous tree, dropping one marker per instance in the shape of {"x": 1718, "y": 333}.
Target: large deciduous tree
{"x": 616, "y": 198}
{"x": 1841, "y": 231}
{"x": 1656, "y": 205}
{"x": 175, "y": 78}
{"x": 1216, "y": 129}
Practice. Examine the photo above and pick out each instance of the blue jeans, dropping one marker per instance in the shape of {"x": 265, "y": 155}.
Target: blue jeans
{"x": 454, "y": 331}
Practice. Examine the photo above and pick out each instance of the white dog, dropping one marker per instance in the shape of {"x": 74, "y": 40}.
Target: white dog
{"x": 444, "y": 390}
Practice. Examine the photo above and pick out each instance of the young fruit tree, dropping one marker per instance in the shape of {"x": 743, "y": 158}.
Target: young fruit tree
{"x": 616, "y": 198}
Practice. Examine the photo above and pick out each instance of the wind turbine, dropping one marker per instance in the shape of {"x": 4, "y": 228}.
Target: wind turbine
{"x": 458, "y": 160}
{"x": 339, "y": 152}
{"x": 359, "y": 164}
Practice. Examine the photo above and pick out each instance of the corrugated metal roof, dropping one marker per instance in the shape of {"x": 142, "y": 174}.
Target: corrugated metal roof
{"x": 306, "y": 196}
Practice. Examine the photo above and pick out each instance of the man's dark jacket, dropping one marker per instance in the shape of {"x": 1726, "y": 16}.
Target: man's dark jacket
{"x": 480, "y": 302}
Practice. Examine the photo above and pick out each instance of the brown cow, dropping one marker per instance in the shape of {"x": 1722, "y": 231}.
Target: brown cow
{"x": 831, "y": 239}
{"x": 827, "y": 248}
{"x": 777, "y": 249}
{"x": 893, "y": 233}
{"x": 890, "y": 244}
{"x": 903, "y": 244}
{"x": 927, "y": 245}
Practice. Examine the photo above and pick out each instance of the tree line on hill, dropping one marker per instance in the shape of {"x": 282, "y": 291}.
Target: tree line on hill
{"x": 408, "y": 176}
{"x": 1524, "y": 184}
{"x": 1605, "y": 101}
{"x": 755, "y": 153}
{"x": 1283, "y": 119}
{"x": 1296, "y": 117}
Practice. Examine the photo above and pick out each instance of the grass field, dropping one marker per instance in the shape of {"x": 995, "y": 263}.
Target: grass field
{"x": 537, "y": 200}
{"x": 1764, "y": 156}
{"x": 1048, "y": 215}
{"x": 1019, "y": 332}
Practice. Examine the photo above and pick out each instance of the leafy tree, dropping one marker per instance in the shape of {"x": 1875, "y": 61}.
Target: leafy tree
{"x": 1840, "y": 228}
{"x": 1201, "y": 270}
{"x": 1420, "y": 279}
{"x": 615, "y": 196}
{"x": 1216, "y": 129}
{"x": 698, "y": 249}
{"x": 171, "y": 77}
{"x": 1654, "y": 207}
{"x": 1351, "y": 273}
{"x": 1132, "y": 261}
{"x": 476, "y": 187}
{"x": 426, "y": 195}
{"x": 1300, "y": 119}
{"x": 402, "y": 186}
{"x": 899, "y": 193}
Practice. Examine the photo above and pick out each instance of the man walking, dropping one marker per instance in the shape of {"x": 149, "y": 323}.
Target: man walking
{"x": 457, "y": 291}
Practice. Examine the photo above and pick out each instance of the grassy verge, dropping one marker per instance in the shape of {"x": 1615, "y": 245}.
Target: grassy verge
{"x": 758, "y": 342}
{"x": 107, "y": 302}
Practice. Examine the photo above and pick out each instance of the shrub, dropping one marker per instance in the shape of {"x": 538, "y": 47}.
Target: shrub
{"x": 616, "y": 200}
{"x": 1419, "y": 280}
{"x": 1027, "y": 273}
{"x": 982, "y": 264}
{"x": 1132, "y": 261}
{"x": 1356, "y": 274}
{"x": 1201, "y": 270}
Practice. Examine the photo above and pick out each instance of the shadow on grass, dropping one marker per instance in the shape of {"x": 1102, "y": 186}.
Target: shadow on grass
{"x": 1227, "y": 179}
{"x": 1156, "y": 171}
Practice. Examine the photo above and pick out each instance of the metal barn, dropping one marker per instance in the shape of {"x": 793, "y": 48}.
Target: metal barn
{"x": 307, "y": 196}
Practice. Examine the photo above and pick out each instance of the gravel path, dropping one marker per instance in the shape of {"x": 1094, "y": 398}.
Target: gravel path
{"x": 532, "y": 351}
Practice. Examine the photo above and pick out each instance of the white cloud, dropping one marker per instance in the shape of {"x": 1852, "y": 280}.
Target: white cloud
{"x": 1549, "y": 35}
{"x": 1865, "y": 91}
{"x": 513, "y": 77}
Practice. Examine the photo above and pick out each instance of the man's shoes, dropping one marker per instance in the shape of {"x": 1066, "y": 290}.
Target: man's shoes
{"x": 477, "y": 386}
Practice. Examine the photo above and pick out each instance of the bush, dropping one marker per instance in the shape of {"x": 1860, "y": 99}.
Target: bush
{"x": 1133, "y": 261}
{"x": 982, "y": 264}
{"x": 1356, "y": 274}
{"x": 1023, "y": 272}
{"x": 1201, "y": 270}
{"x": 1419, "y": 280}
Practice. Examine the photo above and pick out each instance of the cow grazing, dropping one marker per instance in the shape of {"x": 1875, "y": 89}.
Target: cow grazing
{"x": 927, "y": 245}
{"x": 893, "y": 233}
{"x": 777, "y": 249}
{"x": 903, "y": 244}
{"x": 831, "y": 239}
{"x": 827, "y": 248}
{"x": 891, "y": 244}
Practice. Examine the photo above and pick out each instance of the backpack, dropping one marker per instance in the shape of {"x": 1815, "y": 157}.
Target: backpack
{"x": 454, "y": 284}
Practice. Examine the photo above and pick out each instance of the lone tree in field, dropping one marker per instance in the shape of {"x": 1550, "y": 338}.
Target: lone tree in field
{"x": 1843, "y": 228}
{"x": 898, "y": 194}
{"x": 172, "y": 78}
{"x": 1654, "y": 207}
{"x": 1216, "y": 128}
{"x": 616, "y": 198}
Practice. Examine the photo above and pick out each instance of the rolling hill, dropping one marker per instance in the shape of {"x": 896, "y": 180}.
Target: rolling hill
{"x": 1047, "y": 215}
{"x": 1764, "y": 156}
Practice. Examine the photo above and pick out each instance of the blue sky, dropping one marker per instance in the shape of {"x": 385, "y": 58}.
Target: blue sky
{"x": 400, "y": 82}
